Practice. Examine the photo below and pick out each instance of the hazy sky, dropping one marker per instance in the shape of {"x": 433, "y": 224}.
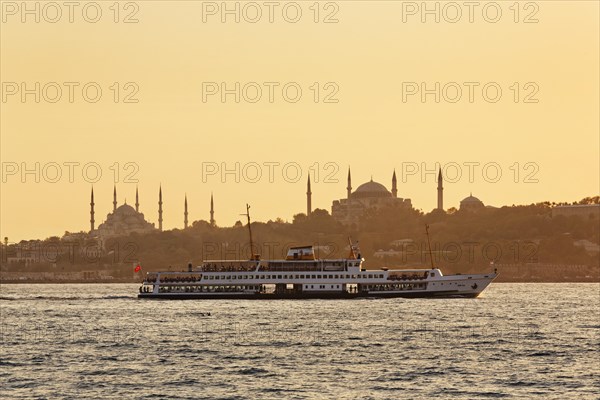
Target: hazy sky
{"x": 368, "y": 86}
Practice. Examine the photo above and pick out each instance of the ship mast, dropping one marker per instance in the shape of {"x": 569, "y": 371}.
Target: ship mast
{"x": 252, "y": 255}
{"x": 352, "y": 253}
{"x": 429, "y": 243}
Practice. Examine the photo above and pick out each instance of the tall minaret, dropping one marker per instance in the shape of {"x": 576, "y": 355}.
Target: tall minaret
{"x": 185, "y": 213}
{"x": 137, "y": 200}
{"x": 440, "y": 190}
{"x": 160, "y": 219}
{"x": 394, "y": 185}
{"x": 308, "y": 197}
{"x": 349, "y": 187}
{"x": 212, "y": 211}
{"x": 115, "y": 198}
{"x": 92, "y": 211}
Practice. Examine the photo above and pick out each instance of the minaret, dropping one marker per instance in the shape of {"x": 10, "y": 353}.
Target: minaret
{"x": 308, "y": 197}
{"x": 212, "y": 211}
{"x": 137, "y": 200}
{"x": 185, "y": 213}
{"x": 92, "y": 211}
{"x": 349, "y": 187}
{"x": 160, "y": 219}
{"x": 440, "y": 190}
{"x": 115, "y": 198}
{"x": 394, "y": 185}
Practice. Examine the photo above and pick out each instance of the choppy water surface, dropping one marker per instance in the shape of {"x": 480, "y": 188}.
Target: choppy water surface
{"x": 99, "y": 341}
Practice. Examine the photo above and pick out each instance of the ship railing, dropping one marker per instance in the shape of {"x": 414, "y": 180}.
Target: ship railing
{"x": 181, "y": 279}
{"x": 396, "y": 286}
{"x": 295, "y": 268}
{"x": 229, "y": 266}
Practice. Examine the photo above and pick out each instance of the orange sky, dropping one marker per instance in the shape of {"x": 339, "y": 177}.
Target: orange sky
{"x": 366, "y": 114}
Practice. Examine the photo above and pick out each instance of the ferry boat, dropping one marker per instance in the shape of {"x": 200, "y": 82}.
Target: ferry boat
{"x": 302, "y": 276}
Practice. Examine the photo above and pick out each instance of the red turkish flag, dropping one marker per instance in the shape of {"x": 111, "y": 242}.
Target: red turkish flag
{"x": 138, "y": 268}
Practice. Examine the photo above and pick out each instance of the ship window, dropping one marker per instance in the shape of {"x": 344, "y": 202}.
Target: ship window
{"x": 336, "y": 276}
{"x": 318, "y": 276}
{"x": 311, "y": 286}
{"x": 313, "y": 276}
{"x": 278, "y": 276}
{"x": 432, "y": 274}
{"x": 370, "y": 276}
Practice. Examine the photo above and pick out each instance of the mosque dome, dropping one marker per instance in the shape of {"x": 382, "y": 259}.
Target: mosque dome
{"x": 371, "y": 189}
{"x": 471, "y": 199}
{"x": 471, "y": 202}
{"x": 125, "y": 209}
{"x": 124, "y": 220}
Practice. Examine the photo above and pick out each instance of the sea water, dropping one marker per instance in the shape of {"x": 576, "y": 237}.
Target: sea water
{"x": 99, "y": 341}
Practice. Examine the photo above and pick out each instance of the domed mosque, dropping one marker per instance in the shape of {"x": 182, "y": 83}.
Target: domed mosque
{"x": 369, "y": 195}
{"x": 124, "y": 219}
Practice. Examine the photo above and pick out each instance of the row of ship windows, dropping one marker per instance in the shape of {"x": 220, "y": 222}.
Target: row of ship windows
{"x": 324, "y": 286}
{"x": 228, "y": 277}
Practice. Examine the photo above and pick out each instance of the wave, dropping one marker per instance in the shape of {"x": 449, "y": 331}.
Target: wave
{"x": 252, "y": 371}
{"x": 62, "y": 298}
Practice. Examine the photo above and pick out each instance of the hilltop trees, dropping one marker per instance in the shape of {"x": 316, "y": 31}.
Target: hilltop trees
{"x": 510, "y": 234}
